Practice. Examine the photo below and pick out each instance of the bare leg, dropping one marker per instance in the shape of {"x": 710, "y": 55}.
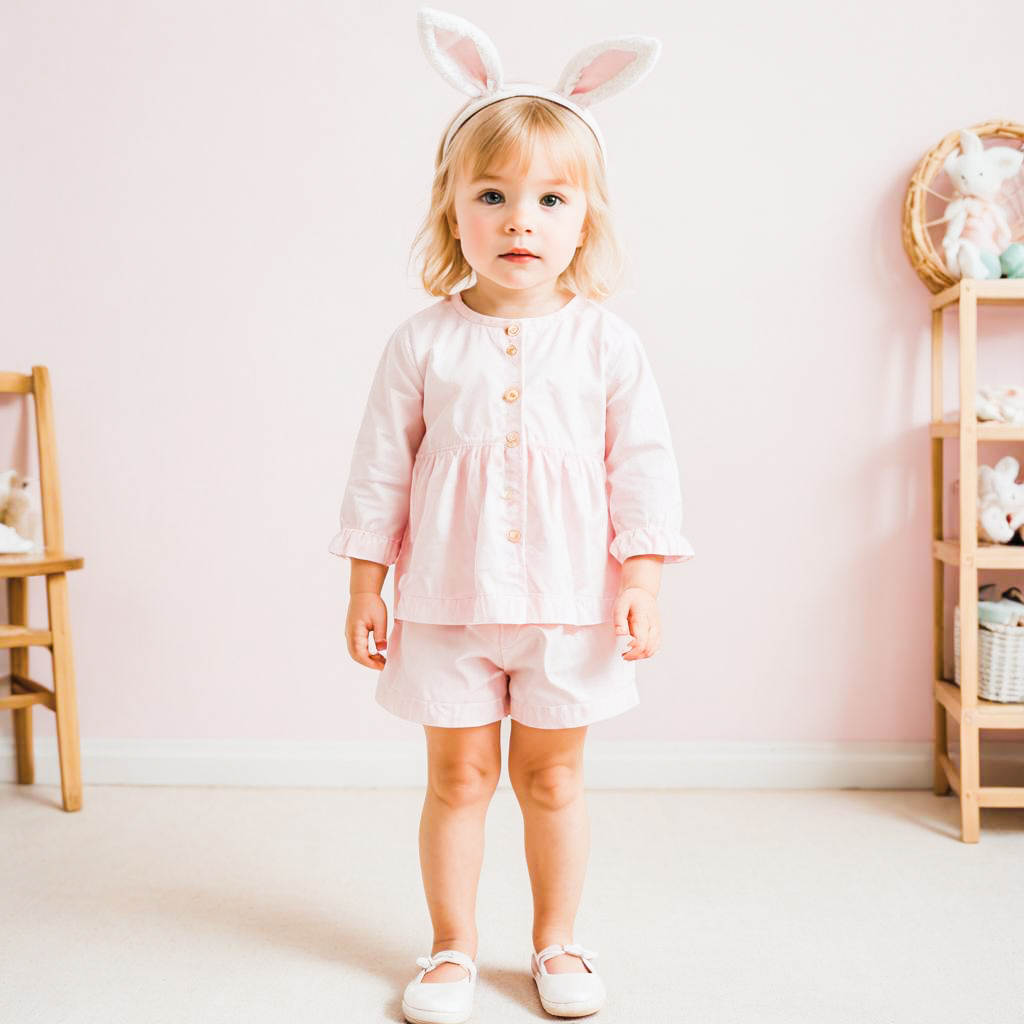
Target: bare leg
{"x": 463, "y": 768}
{"x": 545, "y": 767}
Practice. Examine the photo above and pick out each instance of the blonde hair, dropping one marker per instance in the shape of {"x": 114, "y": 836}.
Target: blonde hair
{"x": 507, "y": 132}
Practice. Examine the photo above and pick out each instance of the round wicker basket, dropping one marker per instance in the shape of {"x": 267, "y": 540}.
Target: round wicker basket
{"x": 923, "y": 205}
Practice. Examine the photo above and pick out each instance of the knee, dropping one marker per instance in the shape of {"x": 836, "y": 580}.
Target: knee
{"x": 552, "y": 787}
{"x": 463, "y": 783}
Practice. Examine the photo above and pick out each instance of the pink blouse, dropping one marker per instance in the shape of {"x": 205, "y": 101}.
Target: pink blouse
{"x": 509, "y": 466}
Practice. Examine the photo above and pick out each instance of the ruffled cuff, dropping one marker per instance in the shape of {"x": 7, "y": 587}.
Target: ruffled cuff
{"x": 372, "y": 547}
{"x": 672, "y": 546}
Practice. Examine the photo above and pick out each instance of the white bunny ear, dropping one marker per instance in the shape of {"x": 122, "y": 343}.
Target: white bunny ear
{"x": 460, "y": 53}
{"x": 969, "y": 141}
{"x": 607, "y": 67}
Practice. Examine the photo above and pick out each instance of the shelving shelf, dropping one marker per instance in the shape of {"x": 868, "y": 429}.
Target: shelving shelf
{"x": 962, "y": 703}
{"x": 987, "y": 556}
{"x": 986, "y": 431}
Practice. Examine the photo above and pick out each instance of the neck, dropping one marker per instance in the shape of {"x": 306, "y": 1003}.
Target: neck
{"x": 490, "y": 299}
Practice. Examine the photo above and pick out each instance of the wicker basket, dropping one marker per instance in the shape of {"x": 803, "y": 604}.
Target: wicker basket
{"x": 922, "y": 216}
{"x": 1000, "y": 660}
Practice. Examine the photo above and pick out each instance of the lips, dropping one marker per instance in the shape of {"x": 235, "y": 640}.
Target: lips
{"x": 519, "y": 252}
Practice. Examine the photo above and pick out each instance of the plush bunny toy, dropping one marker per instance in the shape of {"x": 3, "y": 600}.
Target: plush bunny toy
{"x": 467, "y": 59}
{"x": 1004, "y": 405}
{"x": 978, "y": 233}
{"x": 1000, "y": 501}
{"x": 20, "y": 519}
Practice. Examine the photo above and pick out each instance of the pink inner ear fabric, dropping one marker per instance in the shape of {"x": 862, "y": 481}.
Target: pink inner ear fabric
{"x": 464, "y": 52}
{"x": 601, "y": 69}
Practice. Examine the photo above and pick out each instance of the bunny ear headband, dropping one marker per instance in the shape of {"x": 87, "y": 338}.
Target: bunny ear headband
{"x": 465, "y": 58}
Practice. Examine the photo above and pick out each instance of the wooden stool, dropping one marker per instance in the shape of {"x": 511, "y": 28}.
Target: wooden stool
{"x": 18, "y": 637}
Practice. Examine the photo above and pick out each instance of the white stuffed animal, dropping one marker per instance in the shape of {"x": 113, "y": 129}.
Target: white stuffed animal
{"x": 20, "y": 519}
{"x": 1004, "y": 405}
{"x": 978, "y": 231}
{"x": 1000, "y": 501}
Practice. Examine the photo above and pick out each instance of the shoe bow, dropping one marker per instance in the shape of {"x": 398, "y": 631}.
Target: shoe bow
{"x": 577, "y": 950}
{"x": 574, "y": 948}
{"x": 428, "y": 963}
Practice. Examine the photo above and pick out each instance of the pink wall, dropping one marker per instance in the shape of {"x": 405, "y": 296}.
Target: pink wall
{"x": 209, "y": 208}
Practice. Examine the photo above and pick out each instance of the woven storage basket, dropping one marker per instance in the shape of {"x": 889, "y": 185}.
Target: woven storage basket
{"x": 1000, "y": 660}
{"x": 922, "y": 234}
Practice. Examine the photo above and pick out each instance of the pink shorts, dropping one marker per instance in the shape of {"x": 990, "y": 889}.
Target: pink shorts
{"x": 548, "y": 676}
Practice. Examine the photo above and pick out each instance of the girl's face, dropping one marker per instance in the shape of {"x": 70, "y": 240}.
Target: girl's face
{"x": 540, "y": 213}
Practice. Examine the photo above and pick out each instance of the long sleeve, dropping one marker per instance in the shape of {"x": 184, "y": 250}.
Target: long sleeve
{"x": 644, "y": 496}
{"x": 375, "y": 506}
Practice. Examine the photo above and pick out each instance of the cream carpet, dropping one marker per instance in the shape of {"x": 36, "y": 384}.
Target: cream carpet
{"x": 274, "y": 906}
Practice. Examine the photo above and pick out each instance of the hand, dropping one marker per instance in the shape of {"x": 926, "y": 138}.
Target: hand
{"x": 638, "y": 608}
{"x": 367, "y": 613}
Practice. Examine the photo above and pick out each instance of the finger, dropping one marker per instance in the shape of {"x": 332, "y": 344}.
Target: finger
{"x": 640, "y": 646}
{"x": 360, "y": 648}
{"x": 377, "y": 660}
{"x": 635, "y": 651}
{"x": 641, "y": 628}
{"x": 360, "y": 645}
{"x": 379, "y": 625}
{"x": 653, "y": 639}
{"x": 620, "y": 617}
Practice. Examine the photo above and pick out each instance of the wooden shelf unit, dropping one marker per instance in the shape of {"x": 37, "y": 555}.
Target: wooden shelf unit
{"x": 961, "y": 703}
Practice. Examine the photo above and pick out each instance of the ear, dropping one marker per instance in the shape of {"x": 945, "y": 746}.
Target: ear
{"x": 1006, "y": 161}
{"x": 969, "y": 142}
{"x": 460, "y": 53}
{"x": 1009, "y": 467}
{"x": 607, "y": 68}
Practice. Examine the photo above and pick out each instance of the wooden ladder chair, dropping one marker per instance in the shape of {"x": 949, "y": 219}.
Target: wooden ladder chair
{"x": 53, "y": 563}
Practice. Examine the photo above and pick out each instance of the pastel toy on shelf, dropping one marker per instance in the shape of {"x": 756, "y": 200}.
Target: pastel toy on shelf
{"x": 20, "y": 517}
{"x": 1004, "y": 405}
{"x": 1009, "y": 611}
{"x": 1000, "y": 501}
{"x": 978, "y": 233}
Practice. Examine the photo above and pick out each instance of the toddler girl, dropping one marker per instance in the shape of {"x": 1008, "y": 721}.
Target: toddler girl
{"x": 514, "y": 463}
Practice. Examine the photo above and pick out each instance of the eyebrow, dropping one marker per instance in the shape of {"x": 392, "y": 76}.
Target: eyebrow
{"x": 498, "y": 177}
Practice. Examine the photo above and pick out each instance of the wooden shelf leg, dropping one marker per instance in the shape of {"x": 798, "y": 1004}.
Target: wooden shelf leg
{"x": 940, "y": 784}
{"x": 17, "y": 605}
{"x": 970, "y": 770}
{"x": 64, "y": 691}
{"x": 970, "y": 778}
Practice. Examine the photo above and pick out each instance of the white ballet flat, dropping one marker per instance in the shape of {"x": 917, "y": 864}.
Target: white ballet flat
{"x": 568, "y": 995}
{"x": 442, "y": 1002}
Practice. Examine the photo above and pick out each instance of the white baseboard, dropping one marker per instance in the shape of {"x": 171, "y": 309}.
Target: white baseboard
{"x": 610, "y": 764}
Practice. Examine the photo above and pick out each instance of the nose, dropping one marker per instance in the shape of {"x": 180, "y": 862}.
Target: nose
{"x": 518, "y": 220}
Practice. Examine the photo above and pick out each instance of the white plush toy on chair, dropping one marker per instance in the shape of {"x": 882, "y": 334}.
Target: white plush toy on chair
{"x": 19, "y": 516}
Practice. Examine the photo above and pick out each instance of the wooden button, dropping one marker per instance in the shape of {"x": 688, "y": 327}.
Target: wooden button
{"x": 508, "y": 493}
{"x": 511, "y": 395}
{"x": 512, "y": 330}
{"x": 511, "y": 350}
{"x": 512, "y": 437}
{"x": 513, "y": 535}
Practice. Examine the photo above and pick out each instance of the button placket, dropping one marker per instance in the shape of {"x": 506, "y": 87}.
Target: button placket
{"x": 514, "y": 462}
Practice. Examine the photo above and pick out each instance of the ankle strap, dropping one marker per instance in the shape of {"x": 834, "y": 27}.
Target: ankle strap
{"x": 447, "y": 956}
{"x": 573, "y": 949}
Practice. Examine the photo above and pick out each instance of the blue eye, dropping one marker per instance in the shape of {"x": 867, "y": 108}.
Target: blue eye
{"x": 492, "y": 192}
